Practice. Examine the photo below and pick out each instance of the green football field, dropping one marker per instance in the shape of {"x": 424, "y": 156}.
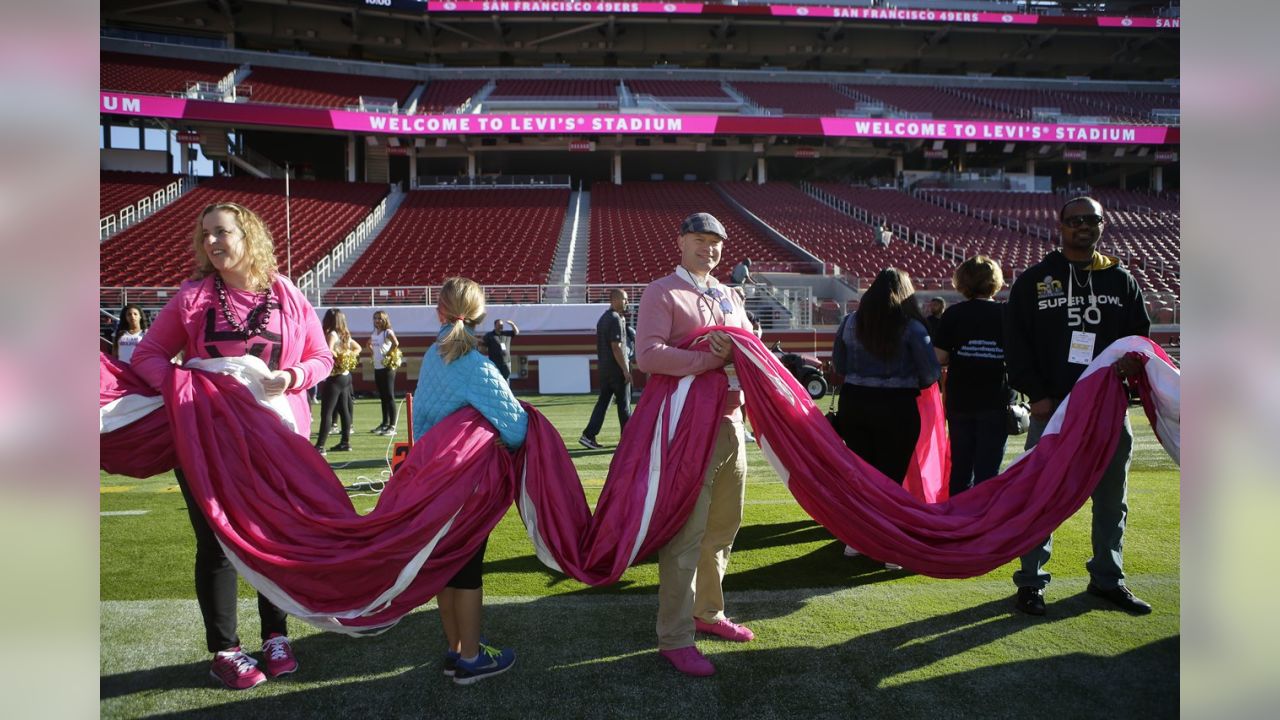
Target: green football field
{"x": 836, "y": 637}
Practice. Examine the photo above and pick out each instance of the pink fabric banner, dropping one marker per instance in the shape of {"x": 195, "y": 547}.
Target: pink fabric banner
{"x": 290, "y": 528}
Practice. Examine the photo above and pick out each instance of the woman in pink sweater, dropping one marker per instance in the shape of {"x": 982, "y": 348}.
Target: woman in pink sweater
{"x": 236, "y": 304}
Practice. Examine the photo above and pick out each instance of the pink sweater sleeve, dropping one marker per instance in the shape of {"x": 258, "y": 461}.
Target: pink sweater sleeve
{"x": 166, "y": 337}
{"x": 316, "y": 361}
{"x": 653, "y": 333}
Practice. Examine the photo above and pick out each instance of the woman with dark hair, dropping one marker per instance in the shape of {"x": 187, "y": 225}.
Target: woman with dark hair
{"x": 133, "y": 325}
{"x": 237, "y": 304}
{"x": 882, "y": 349}
{"x": 335, "y": 393}
{"x": 970, "y": 341}
{"x": 383, "y": 342}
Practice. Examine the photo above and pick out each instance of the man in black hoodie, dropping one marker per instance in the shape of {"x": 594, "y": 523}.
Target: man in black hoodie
{"x": 1061, "y": 314}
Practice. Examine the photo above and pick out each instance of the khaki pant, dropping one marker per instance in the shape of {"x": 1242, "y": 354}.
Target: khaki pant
{"x": 692, "y": 565}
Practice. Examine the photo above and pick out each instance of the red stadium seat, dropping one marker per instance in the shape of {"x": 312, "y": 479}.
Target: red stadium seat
{"x": 157, "y": 251}
{"x": 495, "y": 237}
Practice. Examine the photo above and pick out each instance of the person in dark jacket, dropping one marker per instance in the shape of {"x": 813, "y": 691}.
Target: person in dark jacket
{"x": 498, "y": 349}
{"x": 883, "y": 351}
{"x": 1061, "y": 314}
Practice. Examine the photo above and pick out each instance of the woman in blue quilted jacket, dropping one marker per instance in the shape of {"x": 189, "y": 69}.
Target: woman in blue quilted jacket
{"x": 455, "y": 375}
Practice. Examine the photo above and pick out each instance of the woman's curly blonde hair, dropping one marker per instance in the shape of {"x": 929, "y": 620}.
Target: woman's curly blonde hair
{"x": 257, "y": 240}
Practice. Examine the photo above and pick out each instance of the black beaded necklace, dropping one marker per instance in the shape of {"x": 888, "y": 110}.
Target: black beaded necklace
{"x": 256, "y": 321}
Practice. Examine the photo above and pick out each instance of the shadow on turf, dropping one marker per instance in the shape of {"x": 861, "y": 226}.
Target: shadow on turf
{"x": 404, "y": 645}
{"x": 824, "y": 567}
{"x": 397, "y": 674}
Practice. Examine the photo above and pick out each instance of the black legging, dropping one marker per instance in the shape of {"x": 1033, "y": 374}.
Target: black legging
{"x": 216, "y": 585}
{"x": 335, "y": 394}
{"x": 881, "y": 425}
{"x": 385, "y": 379}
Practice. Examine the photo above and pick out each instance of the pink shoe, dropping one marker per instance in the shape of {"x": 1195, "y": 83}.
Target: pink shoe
{"x": 689, "y": 661}
{"x": 279, "y": 655}
{"x": 726, "y": 629}
{"x": 236, "y": 670}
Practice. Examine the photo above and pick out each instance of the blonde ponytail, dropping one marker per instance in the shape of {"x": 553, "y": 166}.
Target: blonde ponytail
{"x": 462, "y": 305}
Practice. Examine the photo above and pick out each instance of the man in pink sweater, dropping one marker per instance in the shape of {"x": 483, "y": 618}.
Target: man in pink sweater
{"x": 692, "y": 565}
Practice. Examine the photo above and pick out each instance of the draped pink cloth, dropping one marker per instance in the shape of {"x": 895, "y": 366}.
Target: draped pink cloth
{"x": 142, "y": 448}
{"x": 929, "y": 472}
{"x": 290, "y": 528}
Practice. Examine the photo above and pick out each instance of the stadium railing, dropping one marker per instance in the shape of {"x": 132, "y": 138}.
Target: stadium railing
{"x": 448, "y": 182}
{"x": 778, "y": 307}
{"x": 314, "y": 278}
{"x": 139, "y": 211}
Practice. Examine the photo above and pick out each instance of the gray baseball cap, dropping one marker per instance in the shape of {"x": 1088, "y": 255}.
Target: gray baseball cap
{"x": 703, "y": 223}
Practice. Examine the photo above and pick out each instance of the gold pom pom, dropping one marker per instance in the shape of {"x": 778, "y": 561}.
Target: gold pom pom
{"x": 393, "y": 359}
{"x": 344, "y": 362}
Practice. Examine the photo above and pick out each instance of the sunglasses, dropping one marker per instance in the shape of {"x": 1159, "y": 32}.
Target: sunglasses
{"x": 726, "y": 305}
{"x": 1076, "y": 221}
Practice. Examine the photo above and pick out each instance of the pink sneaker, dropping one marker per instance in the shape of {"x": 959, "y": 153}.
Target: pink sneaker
{"x": 689, "y": 661}
{"x": 279, "y": 655}
{"x": 236, "y": 670}
{"x": 726, "y": 629}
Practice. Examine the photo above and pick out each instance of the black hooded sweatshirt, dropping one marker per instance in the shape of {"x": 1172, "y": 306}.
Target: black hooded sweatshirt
{"x": 1105, "y": 300}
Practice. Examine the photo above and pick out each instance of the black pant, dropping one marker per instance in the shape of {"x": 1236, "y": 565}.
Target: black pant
{"x": 216, "y": 585}
{"x": 881, "y": 425}
{"x": 612, "y": 388}
{"x": 335, "y": 395}
{"x": 385, "y": 379}
{"x": 471, "y": 575}
{"x": 977, "y": 446}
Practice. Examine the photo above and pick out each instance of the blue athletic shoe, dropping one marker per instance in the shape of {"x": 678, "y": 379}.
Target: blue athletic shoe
{"x": 450, "y": 662}
{"x": 491, "y": 661}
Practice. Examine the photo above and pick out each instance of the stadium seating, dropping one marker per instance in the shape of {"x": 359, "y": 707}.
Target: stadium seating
{"x": 1122, "y": 106}
{"x": 1149, "y": 243}
{"x": 445, "y": 96}
{"x": 1015, "y": 251}
{"x": 156, "y": 75}
{"x": 320, "y": 89}
{"x": 938, "y": 102}
{"x": 569, "y": 89}
{"x": 634, "y": 227}
{"x": 1117, "y": 199}
{"x": 796, "y": 98}
{"x": 119, "y": 189}
{"x": 495, "y": 237}
{"x": 832, "y": 235}
{"x": 678, "y": 89}
{"x": 157, "y": 251}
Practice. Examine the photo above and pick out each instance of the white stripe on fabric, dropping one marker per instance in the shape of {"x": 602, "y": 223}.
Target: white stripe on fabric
{"x": 655, "y": 458}
{"x": 769, "y": 371}
{"x": 251, "y": 372}
{"x": 1165, "y": 384}
{"x": 529, "y": 514}
{"x": 329, "y": 621}
{"x": 774, "y": 462}
{"x": 782, "y": 390}
{"x": 126, "y": 409}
